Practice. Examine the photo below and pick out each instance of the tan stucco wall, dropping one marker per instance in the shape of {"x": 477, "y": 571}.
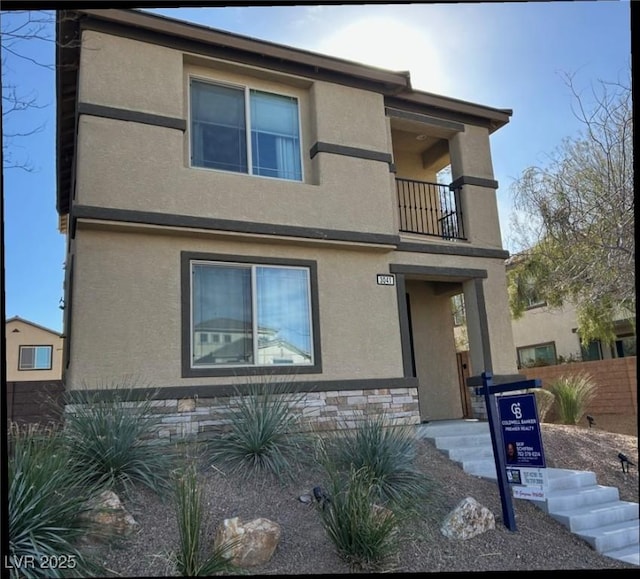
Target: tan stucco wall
{"x": 29, "y": 335}
{"x": 435, "y": 353}
{"x": 129, "y": 165}
{"x": 540, "y": 325}
{"x": 131, "y": 285}
{"x": 151, "y": 74}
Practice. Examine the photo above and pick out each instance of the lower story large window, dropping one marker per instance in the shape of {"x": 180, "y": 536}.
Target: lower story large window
{"x": 537, "y": 355}
{"x": 35, "y": 358}
{"x": 250, "y": 315}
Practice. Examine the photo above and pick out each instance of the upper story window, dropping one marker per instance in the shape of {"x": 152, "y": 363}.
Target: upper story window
{"x": 35, "y": 358}
{"x": 245, "y": 130}
{"x": 531, "y": 296}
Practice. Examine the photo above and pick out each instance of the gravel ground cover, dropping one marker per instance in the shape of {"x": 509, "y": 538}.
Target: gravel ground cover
{"x": 540, "y": 543}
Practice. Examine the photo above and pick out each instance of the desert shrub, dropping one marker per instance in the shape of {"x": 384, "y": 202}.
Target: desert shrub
{"x": 109, "y": 437}
{"x": 189, "y": 559}
{"x": 48, "y": 501}
{"x": 388, "y": 452}
{"x": 544, "y": 401}
{"x": 263, "y": 436}
{"x": 572, "y": 394}
{"x": 364, "y": 535}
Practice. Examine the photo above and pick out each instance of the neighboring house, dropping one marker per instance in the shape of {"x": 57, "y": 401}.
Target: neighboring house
{"x": 236, "y": 208}
{"x": 33, "y": 352}
{"x": 545, "y": 336}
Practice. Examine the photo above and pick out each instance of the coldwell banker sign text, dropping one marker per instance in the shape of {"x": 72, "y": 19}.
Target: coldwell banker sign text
{"x": 521, "y": 431}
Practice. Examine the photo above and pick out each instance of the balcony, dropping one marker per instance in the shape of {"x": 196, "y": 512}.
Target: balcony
{"x": 429, "y": 209}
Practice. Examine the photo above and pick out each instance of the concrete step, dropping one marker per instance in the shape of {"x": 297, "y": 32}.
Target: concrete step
{"x": 567, "y": 499}
{"x": 591, "y": 511}
{"x": 474, "y": 466}
{"x": 463, "y": 441}
{"x": 487, "y": 470}
{"x": 449, "y": 427}
{"x": 592, "y": 516}
{"x": 562, "y": 478}
{"x": 611, "y": 537}
{"x": 628, "y": 554}
{"x": 460, "y": 454}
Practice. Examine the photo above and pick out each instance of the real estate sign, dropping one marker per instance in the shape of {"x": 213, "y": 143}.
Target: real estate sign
{"x": 524, "y": 454}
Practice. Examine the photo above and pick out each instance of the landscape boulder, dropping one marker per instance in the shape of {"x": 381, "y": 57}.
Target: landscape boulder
{"x": 255, "y": 541}
{"x": 109, "y": 518}
{"x": 468, "y": 519}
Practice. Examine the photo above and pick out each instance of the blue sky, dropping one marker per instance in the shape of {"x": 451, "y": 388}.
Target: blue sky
{"x": 505, "y": 55}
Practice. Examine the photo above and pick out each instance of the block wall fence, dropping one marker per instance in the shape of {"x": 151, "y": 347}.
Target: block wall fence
{"x": 616, "y": 378}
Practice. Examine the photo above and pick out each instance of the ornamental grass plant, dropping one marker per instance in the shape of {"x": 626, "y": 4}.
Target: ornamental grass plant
{"x": 263, "y": 435}
{"x": 109, "y": 434}
{"x": 364, "y": 535}
{"x": 544, "y": 401}
{"x": 189, "y": 559}
{"x": 572, "y": 393}
{"x": 48, "y": 500}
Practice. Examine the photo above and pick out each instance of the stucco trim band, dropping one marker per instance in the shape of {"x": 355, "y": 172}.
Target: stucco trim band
{"x": 358, "y": 153}
{"x": 211, "y": 223}
{"x": 132, "y": 116}
{"x": 465, "y": 250}
{"x": 383, "y": 240}
{"x": 478, "y": 181}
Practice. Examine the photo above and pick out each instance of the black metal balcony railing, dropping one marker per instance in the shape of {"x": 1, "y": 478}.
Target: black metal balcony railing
{"x": 429, "y": 209}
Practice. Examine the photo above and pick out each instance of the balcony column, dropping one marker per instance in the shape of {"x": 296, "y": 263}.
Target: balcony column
{"x": 472, "y": 170}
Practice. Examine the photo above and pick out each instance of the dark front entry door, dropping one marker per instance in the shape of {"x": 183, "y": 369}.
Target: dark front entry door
{"x": 464, "y": 370}
{"x": 413, "y": 355}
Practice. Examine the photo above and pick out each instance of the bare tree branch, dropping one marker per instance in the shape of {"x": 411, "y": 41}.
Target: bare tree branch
{"x": 583, "y": 204}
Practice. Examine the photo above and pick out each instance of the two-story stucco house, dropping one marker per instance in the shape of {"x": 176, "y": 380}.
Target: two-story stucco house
{"x": 236, "y": 208}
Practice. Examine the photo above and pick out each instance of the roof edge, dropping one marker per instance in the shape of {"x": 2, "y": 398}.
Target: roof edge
{"x": 29, "y": 322}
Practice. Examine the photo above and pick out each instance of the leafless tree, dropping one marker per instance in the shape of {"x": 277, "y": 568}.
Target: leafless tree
{"x": 17, "y": 29}
{"x": 576, "y": 216}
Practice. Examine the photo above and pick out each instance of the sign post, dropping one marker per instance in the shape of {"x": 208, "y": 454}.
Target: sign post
{"x": 489, "y": 390}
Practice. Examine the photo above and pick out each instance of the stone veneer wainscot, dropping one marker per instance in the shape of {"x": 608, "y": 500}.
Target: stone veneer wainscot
{"x": 201, "y": 418}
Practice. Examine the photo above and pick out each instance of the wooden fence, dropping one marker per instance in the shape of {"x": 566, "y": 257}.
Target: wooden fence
{"x": 35, "y": 401}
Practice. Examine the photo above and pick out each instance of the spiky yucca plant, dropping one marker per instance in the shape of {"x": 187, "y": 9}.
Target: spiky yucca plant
{"x": 48, "y": 503}
{"x": 573, "y": 393}
{"x": 263, "y": 435}
{"x": 108, "y": 437}
{"x": 388, "y": 452}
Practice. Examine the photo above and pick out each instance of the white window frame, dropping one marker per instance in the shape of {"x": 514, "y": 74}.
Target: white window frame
{"x": 247, "y": 111}
{"x": 254, "y": 309}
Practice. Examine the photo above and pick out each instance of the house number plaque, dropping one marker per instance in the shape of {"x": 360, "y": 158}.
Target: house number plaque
{"x": 385, "y": 279}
